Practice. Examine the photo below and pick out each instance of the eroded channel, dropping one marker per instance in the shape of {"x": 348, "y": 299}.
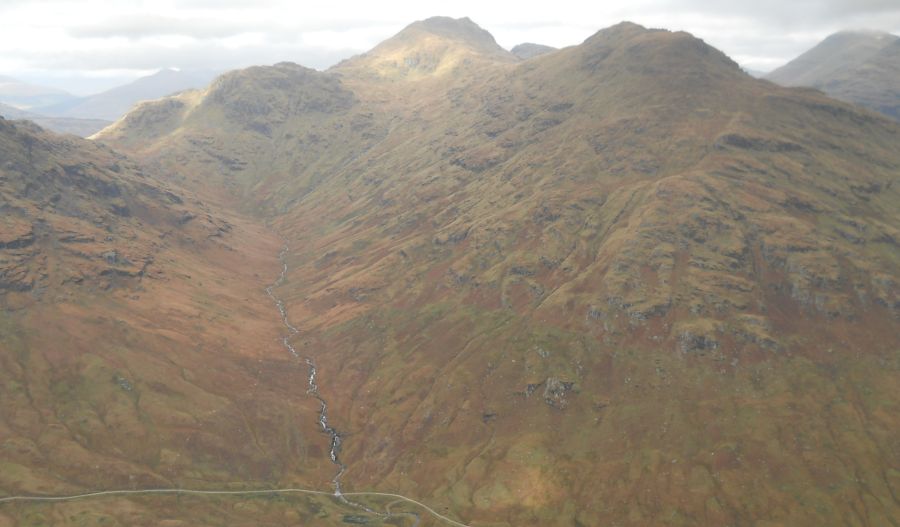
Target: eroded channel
{"x": 313, "y": 390}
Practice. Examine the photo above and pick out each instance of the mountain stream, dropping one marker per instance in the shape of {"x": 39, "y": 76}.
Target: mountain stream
{"x": 313, "y": 390}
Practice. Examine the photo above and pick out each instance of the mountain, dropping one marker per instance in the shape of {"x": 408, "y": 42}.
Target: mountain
{"x": 62, "y": 125}
{"x": 528, "y": 50}
{"x": 138, "y": 347}
{"x": 623, "y": 283}
{"x": 113, "y": 104}
{"x": 23, "y": 95}
{"x": 428, "y": 48}
{"x": 862, "y": 67}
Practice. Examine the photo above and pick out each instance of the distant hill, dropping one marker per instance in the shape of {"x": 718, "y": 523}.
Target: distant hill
{"x": 528, "y": 50}
{"x": 24, "y": 95}
{"x": 759, "y": 74}
{"x": 862, "y": 67}
{"x": 62, "y": 125}
{"x": 113, "y": 104}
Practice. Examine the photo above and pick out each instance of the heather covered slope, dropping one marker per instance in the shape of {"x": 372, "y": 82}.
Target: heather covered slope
{"x": 137, "y": 346}
{"x": 862, "y": 67}
{"x": 620, "y": 283}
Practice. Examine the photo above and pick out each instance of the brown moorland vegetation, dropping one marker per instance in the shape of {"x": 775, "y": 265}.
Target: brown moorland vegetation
{"x": 620, "y": 283}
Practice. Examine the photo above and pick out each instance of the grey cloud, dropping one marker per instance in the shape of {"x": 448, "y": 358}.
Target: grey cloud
{"x": 198, "y": 55}
{"x": 796, "y": 13}
{"x": 141, "y": 26}
{"x": 769, "y": 30}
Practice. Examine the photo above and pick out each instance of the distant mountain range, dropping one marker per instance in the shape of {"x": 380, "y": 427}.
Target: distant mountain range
{"x": 24, "y": 95}
{"x": 62, "y": 125}
{"x": 63, "y": 112}
{"x": 113, "y": 104}
{"x": 862, "y": 67}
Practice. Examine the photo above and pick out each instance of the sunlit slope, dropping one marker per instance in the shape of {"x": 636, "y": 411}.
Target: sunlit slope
{"x": 620, "y": 283}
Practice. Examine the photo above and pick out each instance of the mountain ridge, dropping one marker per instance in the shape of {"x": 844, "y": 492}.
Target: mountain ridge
{"x": 24, "y": 95}
{"x": 623, "y": 273}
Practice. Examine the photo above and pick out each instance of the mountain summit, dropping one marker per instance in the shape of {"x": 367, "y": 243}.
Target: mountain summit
{"x": 429, "y": 47}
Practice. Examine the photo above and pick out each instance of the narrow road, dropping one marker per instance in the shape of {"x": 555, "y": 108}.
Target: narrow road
{"x": 10, "y": 499}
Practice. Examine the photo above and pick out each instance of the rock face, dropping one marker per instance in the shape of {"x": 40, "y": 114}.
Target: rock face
{"x": 623, "y": 273}
{"x": 861, "y": 67}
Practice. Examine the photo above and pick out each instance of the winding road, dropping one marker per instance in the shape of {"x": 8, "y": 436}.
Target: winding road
{"x": 436, "y": 514}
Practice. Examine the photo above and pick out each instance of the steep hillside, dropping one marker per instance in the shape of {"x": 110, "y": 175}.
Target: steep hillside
{"x": 138, "y": 347}
{"x": 858, "y": 67}
{"x": 113, "y": 104}
{"x": 622, "y": 283}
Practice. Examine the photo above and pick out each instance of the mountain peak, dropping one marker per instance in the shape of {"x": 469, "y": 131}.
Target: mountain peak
{"x": 656, "y": 51}
{"x": 462, "y": 29}
{"x": 427, "y": 48}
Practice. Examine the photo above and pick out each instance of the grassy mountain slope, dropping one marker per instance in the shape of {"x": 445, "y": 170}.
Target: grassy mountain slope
{"x": 858, "y": 67}
{"x": 621, "y": 283}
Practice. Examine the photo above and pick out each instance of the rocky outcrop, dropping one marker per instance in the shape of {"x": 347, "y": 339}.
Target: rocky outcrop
{"x": 557, "y": 391}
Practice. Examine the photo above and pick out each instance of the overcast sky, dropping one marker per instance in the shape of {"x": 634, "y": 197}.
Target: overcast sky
{"x": 89, "y": 45}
